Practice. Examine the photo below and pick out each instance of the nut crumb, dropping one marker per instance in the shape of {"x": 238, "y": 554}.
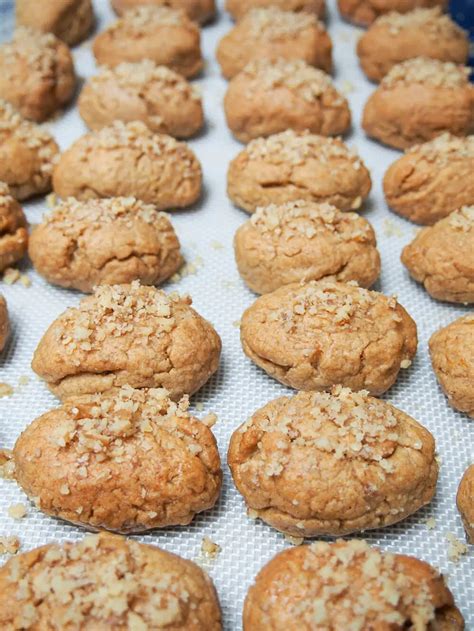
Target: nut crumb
{"x": 25, "y": 280}
{"x": 405, "y": 363}
{"x": 391, "y": 230}
{"x": 210, "y": 549}
{"x": 17, "y": 511}
{"x": 199, "y": 407}
{"x": 295, "y": 541}
{"x": 456, "y": 548}
{"x": 23, "y": 380}
{"x": 9, "y": 545}
{"x": 7, "y": 464}
{"x": 216, "y": 245}
{"x": 236, "y": 324}
{"x": 252, "y": 513}
{"x": 347, "y": 87}
{"x": 5, "y": 390}
{"x": 430, "y": 523}
{"x": 51, "y": 200}
{"x": 11, "y": 275}
{"x": 210, "y": 419}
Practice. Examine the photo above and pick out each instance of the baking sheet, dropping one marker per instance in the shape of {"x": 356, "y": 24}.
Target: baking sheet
{"x": 239, "y": 387}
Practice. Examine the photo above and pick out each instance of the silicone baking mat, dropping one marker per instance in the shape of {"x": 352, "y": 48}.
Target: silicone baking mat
{"x": 239, "y": 387}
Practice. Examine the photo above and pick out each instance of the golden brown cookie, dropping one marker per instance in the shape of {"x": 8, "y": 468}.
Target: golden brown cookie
{"x": 419, "y": 99}
{"x": 4, "y": 323}
{"x": 334, "y": 463}
{"x": 465, "y": 502}
{"x": 104, "y": 242}
{"x": 303, "y": 241}
{"x": 322, "y": 333}
{"x": 441, "y": 257}
{"x": 364, "y": 12}
{"x": 163, "y": 35}
{"x": 128, "y": 335}
{"x": 198, "y": 10}
{"x": 142, "y": 91}
{"x": 106, "y": 582}
{"x": 126, "y": 462}
{"x": 433, "y": 179}
{"x": 268, "y": 97}
{"x": 395, "y": 37}
{"x": 348, "y": 585}
{"x": 13, "y": 229}
{"x": 129, "y": 160}
{"x": 36, "y": 73}
{"x": 70, "y": 20}
{"x": 238, "y": 8}
{"x": 452, "y": 358}
{"x": 271, "y": 33}
{"x": 293, "y": 166}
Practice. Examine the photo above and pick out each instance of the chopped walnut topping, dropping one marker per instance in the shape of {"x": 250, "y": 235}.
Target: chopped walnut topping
{"x": 462, "y": 219}
{"x": 9, "y": 545}
{"x": 38, "y": 50}
{"x": 149, "y": 17}
{"x": 445, "y": 148}
{"x": 271, "y": 23}
{"x": 17, "y": 511}
{"x": 210, "y": 549}
{"x": 433, "y": 22}
{"x": 426, "y": 71}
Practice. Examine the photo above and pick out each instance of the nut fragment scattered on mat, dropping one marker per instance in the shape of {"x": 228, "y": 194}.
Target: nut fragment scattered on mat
{"x": 17, "y": 511}
{"x": 456, "y": 548}
{"x": 9, "y": 545}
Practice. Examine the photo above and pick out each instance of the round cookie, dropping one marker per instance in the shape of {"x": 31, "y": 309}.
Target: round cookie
{"x": 163, "y": 35}
{"x": 126, "y": 462}
{"x": 36, "y": 73}
{"x": 13, "y": 229}
{"x": 104, "y": 242}
{"x": 322, "y": 333}
{"x": 4, "y": 323}
{"x": 128, "y": 335}
{"x": 431, "y": 180}
{"x": 396, "y": 37}
{"x": 303, "y": 241}
{"x": 419, "y": 99}
{"x": 268, "y": 97}
{"x": 106, "y": 582}
{"x": 364, "y": 12}
{"x": 441, "y": 257}
{"x": 70, "y": 20}
{"x": 293, "y": 166}
{"x": 238, "y": 8}
{"x": 335, "y": 463}
{"x": 465, "y": 502}
{"x": 129, "y": 160}
{"x": 143, "y": 91}
{"x": 348, "y": 585}
{"x": 452, "y": 358}
{"x": 271, "y": 33}
{"x": 198, "y": 10}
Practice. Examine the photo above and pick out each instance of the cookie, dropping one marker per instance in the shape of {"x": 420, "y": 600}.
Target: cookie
{"x": 165, "y": 36}
{"x": 13, "y": 229}
{"x": 322, "y": 333}
{"x": 465, "y": 502}
{"x": 155, "y": 95}
{"x": 396, "y": 37}
{"x": 293, "y": 166}
{"x": 128, "y": 335}
{"x": 4, "y": 323}
{"x": 302, "y": 241}
{"x": 70, "y": 20}
{"x": 348, "y": 585}
{"x": 238, "y": 8}
{"x": 431, "y": 180}
{"x": 441, "y": 257}
{"x": 198, "y": 10}
{"x": 36, "y": 73}
{"x": 268, "y": 97}
{"x": 104, "y": 242}
{"x": 106, "y": 581}
{"x": 364, "y": 12}
{"x": 418, "y": 100}
{"x": 129, "y": 160}
{"x": 452, "y": 358}
{"x": 126, "y": 462}
{"x": 271, "y": 33}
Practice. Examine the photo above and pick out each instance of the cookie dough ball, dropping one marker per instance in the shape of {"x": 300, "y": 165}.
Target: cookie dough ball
{"x": 13, "y": 229}
{"x": 142, "y": 91}
{"x": 4, "y": 323}
{"x": 465, "y": 502}
{"x": 348, "y": 585}
{"x": 129, "y": 160}
{"x": 105, "y": 582}
{"x": 163, "y": 35}
{"x": 441, "y": 257}
{"x": 128, "y": 335}
{"x": 70, "y": 20}
{"x": 238, "y": 8}
{"x": 431, "y": 180}
{"x": 322, "y": 333}
{"x": 36, "y": 73}
{"x": 418, "y": 100}
{"x": 332, "y": 463}
{"x": 198, "y": 10}
{"x": 302, "y": 241}
{"x": 271, "y": 33}
{"x": 105, "y": 242}
{"x": 126, "y": 462}
{"x": 293, "y": 166}
{"x": 364, "y": 12}
{"x": 268, "y": 97}
{"x": 452, "y": 357}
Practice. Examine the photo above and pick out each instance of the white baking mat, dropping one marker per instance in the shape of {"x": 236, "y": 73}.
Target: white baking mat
{"x": 239, "y": 387}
